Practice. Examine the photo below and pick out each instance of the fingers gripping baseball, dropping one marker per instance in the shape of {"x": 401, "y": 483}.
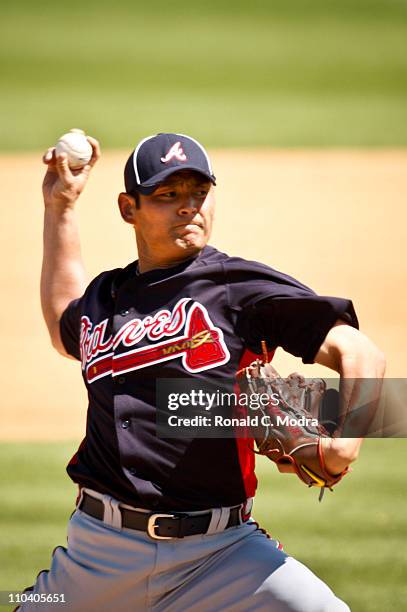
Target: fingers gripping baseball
{"x": 63, "y": 185}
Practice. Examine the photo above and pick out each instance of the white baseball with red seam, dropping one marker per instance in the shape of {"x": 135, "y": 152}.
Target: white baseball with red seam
{"x": 77, "y": 148}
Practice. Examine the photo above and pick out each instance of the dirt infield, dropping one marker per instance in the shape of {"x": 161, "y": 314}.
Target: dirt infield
{"x": 337, "y": 220}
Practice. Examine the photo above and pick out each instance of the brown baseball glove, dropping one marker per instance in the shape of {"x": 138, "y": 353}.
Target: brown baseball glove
{"x": 289, "y": 429}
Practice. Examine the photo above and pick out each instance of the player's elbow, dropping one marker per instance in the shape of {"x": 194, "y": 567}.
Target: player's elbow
{"x": 352, "y": 354}
{"x": 58, "y": 346}
{"x": 363, "y": 360}
{"x": 56, "y": 340}
{"x": 380, "y": 361}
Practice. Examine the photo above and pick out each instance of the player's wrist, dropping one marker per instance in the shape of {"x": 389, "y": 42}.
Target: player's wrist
{"x": 338, "y": 453}
{"x": 60, "y": 205}
{"x": 59, "y": 215}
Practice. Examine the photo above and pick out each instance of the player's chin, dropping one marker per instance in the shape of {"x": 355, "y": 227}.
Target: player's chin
{"x": 192, "y": 241}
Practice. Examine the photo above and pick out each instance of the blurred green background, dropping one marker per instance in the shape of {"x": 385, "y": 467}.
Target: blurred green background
{"x": 270, "y": 73}
{"x": 354, "y": 540}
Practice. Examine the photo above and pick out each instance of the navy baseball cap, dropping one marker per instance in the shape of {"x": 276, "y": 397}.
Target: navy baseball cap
{"x": 157, "y": 157}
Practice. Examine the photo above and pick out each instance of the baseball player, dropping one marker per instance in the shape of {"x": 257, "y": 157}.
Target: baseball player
{"x": 164, "y": 523}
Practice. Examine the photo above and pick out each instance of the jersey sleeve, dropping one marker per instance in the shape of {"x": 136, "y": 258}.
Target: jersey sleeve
{"x": 69, "y": 327}
{"x": 277, "y": 308}
{"x": 94, "y": 304}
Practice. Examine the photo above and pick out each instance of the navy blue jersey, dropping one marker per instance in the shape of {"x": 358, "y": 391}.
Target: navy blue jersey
{"x": 129, "y": 329}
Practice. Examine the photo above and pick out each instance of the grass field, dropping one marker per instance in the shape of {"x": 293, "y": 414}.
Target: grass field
{"x": 279, "y": 73}
{"x": 355, "y": 540}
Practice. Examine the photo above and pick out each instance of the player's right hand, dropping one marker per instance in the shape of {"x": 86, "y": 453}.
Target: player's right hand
{"x": 62, "y": 186}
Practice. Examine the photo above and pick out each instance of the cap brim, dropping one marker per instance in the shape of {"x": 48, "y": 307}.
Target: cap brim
{"x": 151, "y": 185}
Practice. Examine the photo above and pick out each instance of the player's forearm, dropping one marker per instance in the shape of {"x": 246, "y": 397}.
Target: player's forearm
{"x": 360, "y": 389}
{"x": 361, "y": 366}
{"x": 356, "y": 395}
{"x": 63, "y": 276}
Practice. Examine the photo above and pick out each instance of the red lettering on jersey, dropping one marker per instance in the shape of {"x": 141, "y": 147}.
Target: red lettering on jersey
{"x": 164, "y": 323}
{"x": 92, "y": 341}
{"x": 176, "y": 152}
{"x": 200, "y": 347}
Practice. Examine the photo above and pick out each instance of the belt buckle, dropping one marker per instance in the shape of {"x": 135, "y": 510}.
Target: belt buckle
{"x": 151, "y": 526}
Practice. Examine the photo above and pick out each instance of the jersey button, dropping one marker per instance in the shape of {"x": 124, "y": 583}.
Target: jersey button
{"x": 121, "y": 380}
{"x": 124, "y": 313}
{"x": 132, "y": 471}
{"x": 126, "y": 424}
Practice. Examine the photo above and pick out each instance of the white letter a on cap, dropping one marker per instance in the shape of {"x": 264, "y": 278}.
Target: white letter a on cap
{"x": 177, "y": 152}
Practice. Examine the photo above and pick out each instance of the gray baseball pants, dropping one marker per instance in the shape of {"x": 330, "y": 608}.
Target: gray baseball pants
{"x": 107, "y": 568}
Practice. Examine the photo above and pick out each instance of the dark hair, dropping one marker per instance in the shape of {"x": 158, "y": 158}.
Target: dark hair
{"x": 136, "y": 196}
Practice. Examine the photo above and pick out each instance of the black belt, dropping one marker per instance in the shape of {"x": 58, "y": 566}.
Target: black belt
{"x": 159, "y": 525}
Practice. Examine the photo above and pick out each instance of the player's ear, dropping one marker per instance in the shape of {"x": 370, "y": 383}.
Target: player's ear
{"x": 127, "y": 207}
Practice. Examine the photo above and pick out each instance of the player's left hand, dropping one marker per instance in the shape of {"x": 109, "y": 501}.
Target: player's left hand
{"x": 290, "y": 433}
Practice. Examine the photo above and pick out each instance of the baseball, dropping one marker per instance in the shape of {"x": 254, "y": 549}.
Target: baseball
{"x": 77, "y": 148}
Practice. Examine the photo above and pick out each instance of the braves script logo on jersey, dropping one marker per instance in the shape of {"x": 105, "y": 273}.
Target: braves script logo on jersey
{"x": 176, "y": 152}
{"x": 190, "y": 336}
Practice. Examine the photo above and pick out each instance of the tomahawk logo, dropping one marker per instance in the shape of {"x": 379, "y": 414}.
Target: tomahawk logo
{"x": 176, "y": 152}
{"x": 188, "y": 336}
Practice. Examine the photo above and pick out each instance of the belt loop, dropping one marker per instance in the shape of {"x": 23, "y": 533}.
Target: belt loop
{"x": 79, "y": 498}
{"x": 219, "y": 520}
{"x": 107, "y": 510}
{"x": 116, "y": 514}
{"x": 214, "y": 521}
{"x": 224, "y": 519}
{"x": 111, "y": 512}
